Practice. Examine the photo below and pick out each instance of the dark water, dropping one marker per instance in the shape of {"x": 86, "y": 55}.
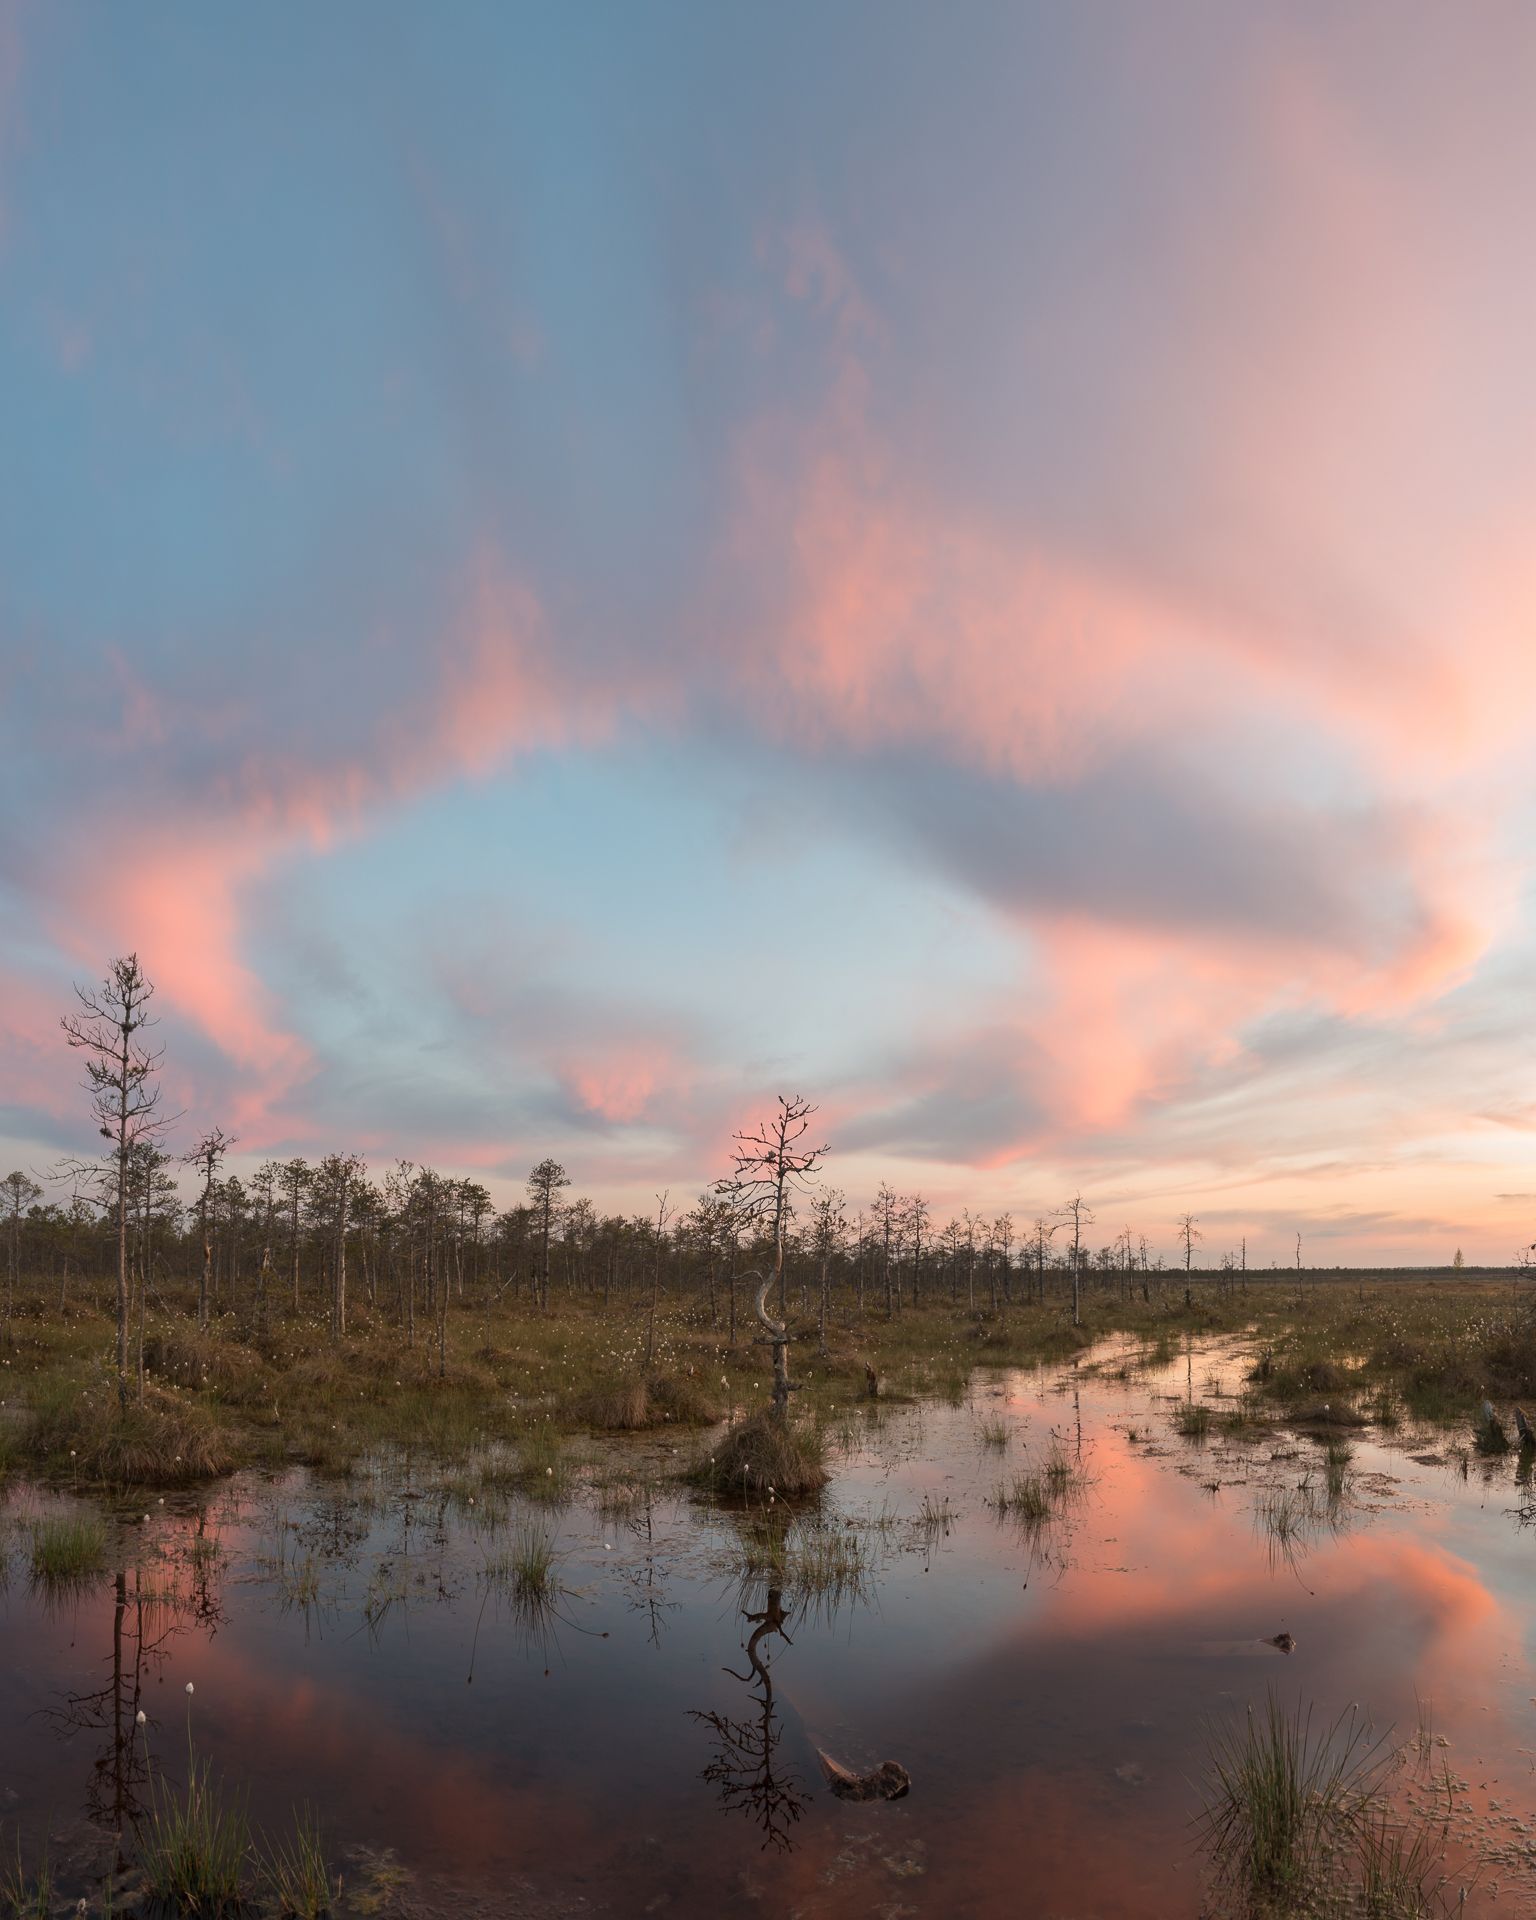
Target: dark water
{"x": 1048, "y": 1695}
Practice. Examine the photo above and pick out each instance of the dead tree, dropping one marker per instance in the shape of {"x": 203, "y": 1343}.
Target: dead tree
{"x": 1080, "y": 1214}
{"x": 125, "y": 1098}
{"x": 770, "y": 1163}
{"x": 206, "y": 1156}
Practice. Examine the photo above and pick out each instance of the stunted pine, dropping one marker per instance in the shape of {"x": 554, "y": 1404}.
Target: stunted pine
{"x": 125, "y": 1097}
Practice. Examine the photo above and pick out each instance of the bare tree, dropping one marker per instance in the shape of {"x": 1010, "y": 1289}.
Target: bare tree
{"x": 125, "y": 1097}
{"x": 1041, "y": 1235}
{"x": 887, "y": 1211}
{"x": 1189, "y": 1233}
{"x": 770, "y": 1163}
{"x": 829, "y": 1236}
{"x": 915, "y": 1223}
{"x": 1080, "y": 1214}
{"x": 207, "y": 1156}
{"x": 664, "y": 1211}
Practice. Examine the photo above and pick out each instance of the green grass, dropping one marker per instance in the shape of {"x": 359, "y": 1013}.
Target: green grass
{"x": 1034, "y": 1496}
{"x": 764, "y": 1459}
{"x": 68, "y": 1548}
{"x": 23, "y": 1895}
{"x": 524, "y": 1566}
{"x": 994, "y": 1433}
{"x": 1299, "y": 1821}
{"x": 1284, "y": 1800}
{"x": 1193, "y": 1419}
{"x": 237, "y": 1394}
{"x": 194, "y": 1844}
{"x": 295, "y": 1869}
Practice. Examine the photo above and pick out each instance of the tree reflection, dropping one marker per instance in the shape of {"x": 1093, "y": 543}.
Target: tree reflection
{"x": 145, "y": 1618}
{"x": 747, "y": 1769}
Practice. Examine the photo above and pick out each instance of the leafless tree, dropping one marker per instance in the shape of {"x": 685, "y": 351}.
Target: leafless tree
{"x": 1189, "y": 1233}
{"x": 1080, "y": 1214}
{"x": 207, "y": 1156}
{"x": 125, "y": 1097}
{"x": 770, "y": 1164}
{"x": 829, "y": 1237}
{"x": 664, "y": 1211}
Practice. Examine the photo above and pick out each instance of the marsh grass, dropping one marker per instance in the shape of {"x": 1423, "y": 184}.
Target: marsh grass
{"x": 1400, "y": 1866}
{"x": 935, "y": 1518}
{"x": 1284, "y": 1802}
{"x": 23, "y": 1895}
{"x": 819, "y": 1567}
{"x": 764, "y": 1458}
{"x": 1193, "y": 1419}
{"x": 1301, "y": 1821}
{"x": 1337, "y": 1454}
{"x": 525, "y": 1566}
{"x": 194, "y": 1845}
{"x": 1034, "y": 1496}
{"x": 295, "y": 1868}
{"x": 68, "y": 1549}
{"x": 994, "y": 1433}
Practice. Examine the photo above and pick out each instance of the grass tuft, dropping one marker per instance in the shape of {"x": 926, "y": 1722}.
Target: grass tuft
{"x": 194, "y": 1845}
{"x": 764, "y": 1458}
{"x": 68, "y": 1548}
{"x": 295, "y": 1868}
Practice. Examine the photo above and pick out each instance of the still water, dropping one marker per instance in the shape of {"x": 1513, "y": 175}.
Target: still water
{"x": 1049, "y": 1691}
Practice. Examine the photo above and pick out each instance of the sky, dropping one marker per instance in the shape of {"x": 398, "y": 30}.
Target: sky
{"x": 565, "y": 570}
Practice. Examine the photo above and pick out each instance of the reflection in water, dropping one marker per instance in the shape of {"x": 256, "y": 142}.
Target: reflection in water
{"x": 1047, "y": 1686}
{"x": 144, "y": 1621}
{"x": 747, "y": 1769}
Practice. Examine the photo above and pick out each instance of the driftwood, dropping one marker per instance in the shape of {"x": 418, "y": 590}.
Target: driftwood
{"x": 889, "y": 1781}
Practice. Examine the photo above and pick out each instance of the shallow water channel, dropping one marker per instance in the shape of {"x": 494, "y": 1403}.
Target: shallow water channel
{"x": 1048, "y": 1689}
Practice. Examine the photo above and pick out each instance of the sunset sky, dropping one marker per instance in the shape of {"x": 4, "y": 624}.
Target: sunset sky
{"x": 566, "y": 569}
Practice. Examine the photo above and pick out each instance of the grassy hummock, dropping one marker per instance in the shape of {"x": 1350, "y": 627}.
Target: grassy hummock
{"x": 764, "y": 1458}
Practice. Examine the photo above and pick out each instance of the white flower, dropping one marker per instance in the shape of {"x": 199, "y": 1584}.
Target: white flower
{"x": 142, "y": 1717}
{"x": 189, "y": 1687}
{"x": 549, "y": 1473}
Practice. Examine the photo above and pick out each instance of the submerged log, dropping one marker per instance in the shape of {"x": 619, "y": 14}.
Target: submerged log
{"x": 889, "y": 1781}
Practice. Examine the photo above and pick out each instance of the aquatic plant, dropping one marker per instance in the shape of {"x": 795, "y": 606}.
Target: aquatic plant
{"x": 1193, "y": 1419}
{"x": 1283, "y": 1801}
{"x": 525, "y": 1566}
{"x": 25, "y": 1896}
{"x": 296, "y": 1870}
{"x": 994, "y": 1433}
{"x": 194, "y": 1845}
{"x": 1035, "y": 1495}
{"x": 68, "y": 1548}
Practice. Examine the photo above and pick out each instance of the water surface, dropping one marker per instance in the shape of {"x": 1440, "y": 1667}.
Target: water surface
{"x": 1049, "y": 1692}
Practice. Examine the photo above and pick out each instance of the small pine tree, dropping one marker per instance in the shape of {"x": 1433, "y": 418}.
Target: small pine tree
{"x": 1458, "y": 1263}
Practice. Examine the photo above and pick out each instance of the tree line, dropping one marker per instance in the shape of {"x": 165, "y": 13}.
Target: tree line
{"x": 411, "y": 1244}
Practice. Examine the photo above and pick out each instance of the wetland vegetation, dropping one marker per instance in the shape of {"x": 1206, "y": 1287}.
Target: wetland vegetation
{"x": 331, "y": 1449}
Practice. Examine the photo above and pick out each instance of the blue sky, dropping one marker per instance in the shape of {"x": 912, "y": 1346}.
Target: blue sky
{"x": 563, "y": 571}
